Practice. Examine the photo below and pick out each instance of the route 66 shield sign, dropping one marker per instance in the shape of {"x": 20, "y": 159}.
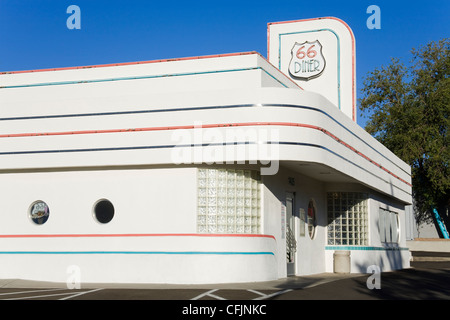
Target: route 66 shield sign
{"x": 307, "y": 61}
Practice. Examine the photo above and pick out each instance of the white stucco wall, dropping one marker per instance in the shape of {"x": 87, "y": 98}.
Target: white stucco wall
{"x": 310, "y": 255}
{"x": 142, "y": 200}
{"x": 72, "y": 137}
{"x": 152, "y": 237}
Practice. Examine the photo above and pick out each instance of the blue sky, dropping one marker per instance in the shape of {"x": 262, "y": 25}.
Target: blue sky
{"x": 34, "y": 35}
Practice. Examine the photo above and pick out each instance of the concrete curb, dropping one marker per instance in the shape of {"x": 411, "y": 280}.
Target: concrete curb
{"x": 430, "y": 256}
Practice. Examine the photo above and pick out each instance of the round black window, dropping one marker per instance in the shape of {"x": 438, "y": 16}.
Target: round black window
{"x": 103, "y": 211}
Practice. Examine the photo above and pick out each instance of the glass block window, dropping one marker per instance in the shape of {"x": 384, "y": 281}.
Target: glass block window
{"x": 347, "y": 218}
{"x": 228, "y": 201}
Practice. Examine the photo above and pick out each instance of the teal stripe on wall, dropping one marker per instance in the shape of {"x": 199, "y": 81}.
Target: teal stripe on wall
{"x": 139, "y": 78}
{"x": 364, "y": 248}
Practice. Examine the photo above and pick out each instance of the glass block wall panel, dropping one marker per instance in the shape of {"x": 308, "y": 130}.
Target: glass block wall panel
{"x": 228, "y": 201}
{"x": 347, "y": 218}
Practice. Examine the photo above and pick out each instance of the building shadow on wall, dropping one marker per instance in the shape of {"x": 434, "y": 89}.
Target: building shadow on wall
{"x": 415, "y": 283}
{"x": 392, "y": 259}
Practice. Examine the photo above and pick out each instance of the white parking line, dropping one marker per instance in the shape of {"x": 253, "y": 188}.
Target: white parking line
{"x": 262, "y": 296}
{"x": 217, "y": 297}
{"x": 80, "y": 293}
{"x": 29, "y": 291}
{"x": 208, "y": 293}
{"x": 273, "y": 294}
{"x": 257, "y": 292}
{"x": 71, "y": 293}
{"x": 39, "y": 296}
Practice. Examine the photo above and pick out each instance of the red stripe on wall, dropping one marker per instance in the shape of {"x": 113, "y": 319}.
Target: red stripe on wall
{"x": 204, "y": 126}
{"x": 132, "y": 63}
{"x": 150, "y": 62}
{"x": 135, "y": 235}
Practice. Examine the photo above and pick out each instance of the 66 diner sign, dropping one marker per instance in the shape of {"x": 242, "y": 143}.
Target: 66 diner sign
{"x": 307, "y": 61}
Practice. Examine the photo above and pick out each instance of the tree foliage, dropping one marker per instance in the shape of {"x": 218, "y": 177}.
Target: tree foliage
{"x": 408, "y": 109}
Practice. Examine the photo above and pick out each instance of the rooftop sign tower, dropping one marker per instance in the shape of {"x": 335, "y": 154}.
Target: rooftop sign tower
{"x": 319, "y": 55}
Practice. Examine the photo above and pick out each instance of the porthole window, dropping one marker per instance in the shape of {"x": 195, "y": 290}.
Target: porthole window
{"x": 103, "y": 211}
{"x": 311, "y": 219}
{"x": 39, "y": 212}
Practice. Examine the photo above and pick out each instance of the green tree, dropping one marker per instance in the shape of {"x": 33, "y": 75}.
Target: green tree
{"x": 408, "y": 111}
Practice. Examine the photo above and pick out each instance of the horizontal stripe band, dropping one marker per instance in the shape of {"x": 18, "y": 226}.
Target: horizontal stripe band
{"x": 153, "y": 62}
{"x": 118, "y": 113}
{"x": 136, "y": 235}
{"x": 365, "y": 248}
{"x": 143, "y": 252}
{"x": 45, "y": 84}
{"x": 204, "y": 108}
{"x": 212, "y": 145}
{"x": 209, "y": 145}
{"x": 137, "y": 62}
{"x": 186, "y": 127}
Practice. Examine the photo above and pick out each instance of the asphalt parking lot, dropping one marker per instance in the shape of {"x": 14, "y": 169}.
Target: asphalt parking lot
{"x": 423, "y": 281}
{"x": 30, "y": 290}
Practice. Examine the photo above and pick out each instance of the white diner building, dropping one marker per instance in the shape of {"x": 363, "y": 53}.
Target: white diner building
{"x": 211, "y": 169}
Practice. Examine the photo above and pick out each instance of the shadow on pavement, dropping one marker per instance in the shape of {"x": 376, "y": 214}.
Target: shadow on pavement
{"x": 408, "y": 284}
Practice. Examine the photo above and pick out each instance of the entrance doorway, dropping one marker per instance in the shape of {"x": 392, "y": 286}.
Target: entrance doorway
{"x": 291, "y": 242}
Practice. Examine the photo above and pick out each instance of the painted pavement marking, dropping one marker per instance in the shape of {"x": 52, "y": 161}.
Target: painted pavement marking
{"x": 261, "y": 296}
{"x": 43, "y": 294}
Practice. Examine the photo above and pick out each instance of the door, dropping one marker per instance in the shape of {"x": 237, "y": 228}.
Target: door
{"x": 291, "y": 242}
